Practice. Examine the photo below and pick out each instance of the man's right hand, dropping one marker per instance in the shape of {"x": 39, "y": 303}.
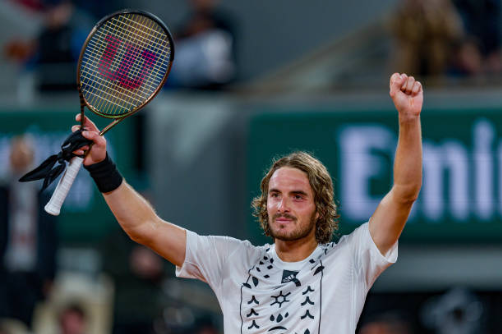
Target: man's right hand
{"x": 97, "y": 152}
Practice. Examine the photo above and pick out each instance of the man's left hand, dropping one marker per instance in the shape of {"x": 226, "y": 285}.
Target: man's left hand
{"x": 407, "y": 95}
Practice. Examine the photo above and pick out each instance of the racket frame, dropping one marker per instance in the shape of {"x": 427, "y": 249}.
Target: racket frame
{"x": 84, "y": 102}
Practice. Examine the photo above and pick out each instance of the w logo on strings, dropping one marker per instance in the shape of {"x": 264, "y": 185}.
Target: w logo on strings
{"x": 122, "y": 74}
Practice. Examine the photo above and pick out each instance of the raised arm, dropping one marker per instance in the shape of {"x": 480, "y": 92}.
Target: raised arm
{"x": 389, "y": 219}
{"x": 132, "y": 211}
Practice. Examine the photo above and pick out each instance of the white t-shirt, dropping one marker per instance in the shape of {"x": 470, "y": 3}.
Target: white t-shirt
{"x": 259, "y": 293}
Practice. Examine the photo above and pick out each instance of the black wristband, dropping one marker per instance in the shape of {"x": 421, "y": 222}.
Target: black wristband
{"x": 105, "y": 174}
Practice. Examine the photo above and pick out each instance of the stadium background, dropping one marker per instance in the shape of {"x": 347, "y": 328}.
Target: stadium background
{"x": 309, "y": 76}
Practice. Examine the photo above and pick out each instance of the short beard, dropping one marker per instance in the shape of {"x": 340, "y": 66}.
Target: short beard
{"x": 294, "y": 235}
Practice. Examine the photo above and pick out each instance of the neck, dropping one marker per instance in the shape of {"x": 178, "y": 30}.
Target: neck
{"x": 294, "y": 251}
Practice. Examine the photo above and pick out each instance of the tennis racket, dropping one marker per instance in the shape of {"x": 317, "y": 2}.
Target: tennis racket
{"x": 123, "y": 64}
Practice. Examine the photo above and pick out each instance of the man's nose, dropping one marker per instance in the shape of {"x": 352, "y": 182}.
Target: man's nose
{"x": 283, "y": 205}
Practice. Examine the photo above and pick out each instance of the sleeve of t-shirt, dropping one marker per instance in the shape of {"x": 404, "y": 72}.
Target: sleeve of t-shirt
{"x": 369, "y": 261}
{"x": 206, "y": 257}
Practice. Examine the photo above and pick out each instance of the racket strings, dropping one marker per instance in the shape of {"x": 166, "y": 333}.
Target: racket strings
{"x": 162, "y": 46}
{"x": 143, "y": 28}
{"x": 102, "y": 85}
{"x": 125, "y": 33}
{"x": 133, "y": 71}
{"x": 124, "y": 63}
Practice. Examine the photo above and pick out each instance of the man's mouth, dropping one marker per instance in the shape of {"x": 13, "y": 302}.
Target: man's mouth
{"x": 284, "y": 219}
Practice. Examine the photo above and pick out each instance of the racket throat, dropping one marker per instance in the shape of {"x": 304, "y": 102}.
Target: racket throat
{"x": 111, "y": 125}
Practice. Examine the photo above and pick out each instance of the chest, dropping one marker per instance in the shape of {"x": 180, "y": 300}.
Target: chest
{"x": 268, "y": 298}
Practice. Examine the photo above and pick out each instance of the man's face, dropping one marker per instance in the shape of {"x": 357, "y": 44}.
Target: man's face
{"x": 21, "y": 155}
{"x": 290, "y": 205}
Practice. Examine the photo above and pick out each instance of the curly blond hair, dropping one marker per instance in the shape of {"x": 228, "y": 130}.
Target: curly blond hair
{"x": 322, "y": 187}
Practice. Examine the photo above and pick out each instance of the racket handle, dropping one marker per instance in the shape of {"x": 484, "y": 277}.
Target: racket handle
{"x": 53, "y": 207}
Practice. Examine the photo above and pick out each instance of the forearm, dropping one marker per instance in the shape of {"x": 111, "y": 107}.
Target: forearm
{"x": 408, "y": 159}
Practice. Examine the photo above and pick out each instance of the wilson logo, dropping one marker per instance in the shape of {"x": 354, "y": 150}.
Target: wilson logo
{"x": 128, "y": 61}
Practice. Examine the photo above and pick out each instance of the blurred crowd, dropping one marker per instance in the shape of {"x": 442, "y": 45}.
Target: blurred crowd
{"x": 439, "y": 39}
{"x": 206, "y": 54}
{"x": 436, "y": 39}
{"x": 205, "y": 45}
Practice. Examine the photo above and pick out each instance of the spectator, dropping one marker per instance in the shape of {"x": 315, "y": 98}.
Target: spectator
{"x": 28, "y": 240}
{"x": 137, "y": 273}
{"x": 425, "y": 32}
{"x": 206, "y": 325}
{"x": 205, "y": 48}
{"x": 481, "y": 21}
{"x": 58, "y": 46}
{"x": 72, "y": 319}
{"x": 54, "y": 53}
{"x": 3, "y": 329}
{"x": 467, "y": 60}
{"x": 388, "y": 323}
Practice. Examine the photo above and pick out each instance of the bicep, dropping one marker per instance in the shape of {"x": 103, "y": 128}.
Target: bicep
{"x": 388, "y": 220}
{"x": 207, "y": 258}
{"x": 139, "y": 220}
{"x": 164, "y": 238}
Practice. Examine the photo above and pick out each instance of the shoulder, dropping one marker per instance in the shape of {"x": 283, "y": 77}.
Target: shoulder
{"x": 348, "y": 240}
{"x": 362, "y": 231}
{"x": 225, "y": 244}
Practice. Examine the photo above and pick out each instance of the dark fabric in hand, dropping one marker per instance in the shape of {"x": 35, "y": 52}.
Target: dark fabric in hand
{"x": 47, "y": 171}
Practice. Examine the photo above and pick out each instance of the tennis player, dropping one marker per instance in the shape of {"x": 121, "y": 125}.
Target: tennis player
{"x": 302, "y": 283}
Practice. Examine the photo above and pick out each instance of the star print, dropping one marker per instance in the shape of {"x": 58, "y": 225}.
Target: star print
{"x": 280, "y": 299}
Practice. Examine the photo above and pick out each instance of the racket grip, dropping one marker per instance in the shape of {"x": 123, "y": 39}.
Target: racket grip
{"x": 53, "y": 207}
